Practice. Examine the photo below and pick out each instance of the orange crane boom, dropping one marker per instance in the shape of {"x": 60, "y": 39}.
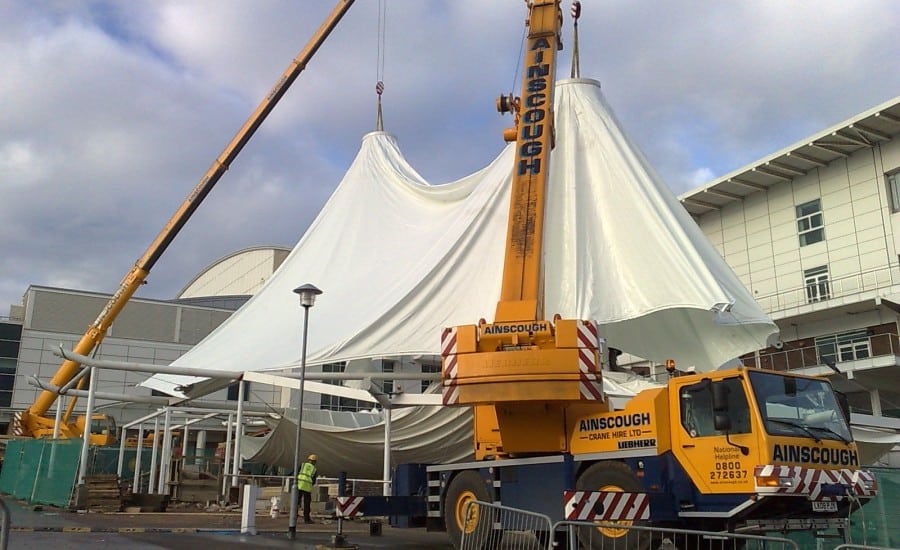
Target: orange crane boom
{"x": 32, "y": 421}
{"x": 522, "y": 370}
{"x": 522, "y": 275}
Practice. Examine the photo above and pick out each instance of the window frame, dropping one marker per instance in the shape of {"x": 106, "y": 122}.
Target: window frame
{"x": 845, "y": 346}
{"x": 232, "y": 392}
{"x": 892, "y": 182}
{"x": 817, "y": 285}
{"x": 810, "y": 223}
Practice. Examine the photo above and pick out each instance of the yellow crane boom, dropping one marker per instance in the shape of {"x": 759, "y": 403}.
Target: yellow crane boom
{"x": 533, "y": 134}
{"x": 521, "y": 371}
{"x": 32, "y": 421}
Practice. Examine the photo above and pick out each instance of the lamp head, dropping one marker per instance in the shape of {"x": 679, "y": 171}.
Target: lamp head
{"x": 307, "y": 294}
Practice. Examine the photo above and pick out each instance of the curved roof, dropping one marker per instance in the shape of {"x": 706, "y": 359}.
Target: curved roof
{"x": 239, "y": 273}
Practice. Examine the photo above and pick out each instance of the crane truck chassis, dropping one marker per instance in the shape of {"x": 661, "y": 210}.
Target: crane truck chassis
{"x": 738, "y": 450}
{"x": 734, "y": 450}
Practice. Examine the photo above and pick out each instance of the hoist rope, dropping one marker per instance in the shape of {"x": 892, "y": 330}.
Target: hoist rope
{"x": 379, "y": 62}
{"x": 516, "y": 76}
{"x": 576, "y": 64}
{"x": 382, "y": 24}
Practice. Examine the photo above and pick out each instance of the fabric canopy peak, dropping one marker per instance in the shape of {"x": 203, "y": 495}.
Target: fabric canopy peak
{"x": 399, "y": 259}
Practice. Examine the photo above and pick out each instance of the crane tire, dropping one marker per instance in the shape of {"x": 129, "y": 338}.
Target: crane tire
{"x": 617, "y": 477}
{"x": 478, "y": 525}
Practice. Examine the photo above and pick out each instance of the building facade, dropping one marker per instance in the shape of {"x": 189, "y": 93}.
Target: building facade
{"x": 146, "y": 331}
{"x": 813, "y": 231}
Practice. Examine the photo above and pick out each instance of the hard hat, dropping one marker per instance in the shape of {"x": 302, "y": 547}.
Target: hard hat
{"x": 313, "y": 458}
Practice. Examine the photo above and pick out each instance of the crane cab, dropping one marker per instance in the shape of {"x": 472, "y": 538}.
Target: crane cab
{"x": 103, "y": 429}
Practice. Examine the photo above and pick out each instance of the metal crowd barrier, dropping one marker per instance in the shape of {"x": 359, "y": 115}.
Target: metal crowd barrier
{"x": 851, "y": 546}
{"x": 497, "y": 527}
{"x": 494, "y": 526}
{"x": 624, "y": 535}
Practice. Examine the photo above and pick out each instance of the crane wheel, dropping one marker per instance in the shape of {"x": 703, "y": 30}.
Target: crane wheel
{"x": 612, "y": 477}
{"x": 474, "y": 522}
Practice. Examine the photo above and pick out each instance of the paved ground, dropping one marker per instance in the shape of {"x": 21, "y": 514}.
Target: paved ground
{"x": 48, "y": 528}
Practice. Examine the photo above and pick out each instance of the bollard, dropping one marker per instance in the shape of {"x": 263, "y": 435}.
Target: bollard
{"x": 248, "y": 511}
{"x": 374, "y": 528}
{"x": 275, "y": 507}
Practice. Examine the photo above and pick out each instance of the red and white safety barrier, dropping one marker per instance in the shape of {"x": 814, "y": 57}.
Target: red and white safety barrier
{"x": 606, "y": 506}
{"x": 589, "y": 384}
{"x": 348, "y": 507}
{"x": 450, "y": 390}
{"x": 810, "y": 481}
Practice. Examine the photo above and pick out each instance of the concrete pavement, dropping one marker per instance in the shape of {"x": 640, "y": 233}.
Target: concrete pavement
{"x": 47, "y": 527}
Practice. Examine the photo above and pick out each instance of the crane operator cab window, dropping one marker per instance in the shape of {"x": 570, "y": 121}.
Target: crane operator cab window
{"x": 699, "y": 407}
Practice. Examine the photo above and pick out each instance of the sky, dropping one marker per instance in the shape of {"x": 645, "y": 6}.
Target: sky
{"x": 112, "y": 111}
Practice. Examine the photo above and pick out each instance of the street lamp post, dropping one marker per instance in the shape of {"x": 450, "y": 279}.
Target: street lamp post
{"x": 307, "y": 295}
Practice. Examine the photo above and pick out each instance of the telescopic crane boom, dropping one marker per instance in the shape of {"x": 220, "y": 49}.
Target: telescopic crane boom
{"x": 522, "y": 370}
{"x": 32, "y": 421}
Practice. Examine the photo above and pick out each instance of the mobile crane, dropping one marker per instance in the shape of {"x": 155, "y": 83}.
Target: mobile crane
{"x": 738, "y": 449}
{"x": 32, "y": 421}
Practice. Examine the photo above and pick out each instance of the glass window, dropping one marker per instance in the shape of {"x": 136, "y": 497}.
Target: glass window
{"x": 860, "y": 402}
{"x": 10, "y": 331}
{"x": 810, "y": 223}
{"x": 428, "y": 368}
{"x": 893, "y": 187}
{"x": 798, "y": 407}
{"x": 387, "y": 385}
{"x": 9, "y": 349}
{"x": 337, "y": 403}
{"x": 233, "y": 391}
{"x": 847, "y": 346}
{"x": 697, "y": 413}
{"x": 816, "y": 282}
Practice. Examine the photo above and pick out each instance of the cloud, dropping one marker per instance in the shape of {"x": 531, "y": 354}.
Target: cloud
{"x": 113, "y": 111}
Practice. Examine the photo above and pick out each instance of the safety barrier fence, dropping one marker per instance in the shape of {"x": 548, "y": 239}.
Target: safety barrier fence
{"x": 41, "y": 471}
{"x": 861, "y": 547}
{"x": 625, "y": 535}
{"x": 490, "y": 526}
{"x": 45, "y": 471}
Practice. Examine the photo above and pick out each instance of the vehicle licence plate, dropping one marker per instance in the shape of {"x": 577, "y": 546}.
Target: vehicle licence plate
{"x": 824, "y": 506}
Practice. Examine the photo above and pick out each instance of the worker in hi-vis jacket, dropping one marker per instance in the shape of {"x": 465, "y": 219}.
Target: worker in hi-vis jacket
{"x": 306, "y": 478}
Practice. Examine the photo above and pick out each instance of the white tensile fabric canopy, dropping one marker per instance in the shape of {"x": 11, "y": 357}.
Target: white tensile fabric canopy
{"x": 426, "y": 435}
{"x": 399, "y": 259}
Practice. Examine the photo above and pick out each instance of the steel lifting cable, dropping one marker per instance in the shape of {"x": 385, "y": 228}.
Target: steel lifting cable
{"x": 576, "y": 64}
{"x": 516, "y": 76}
{"x": 379, "y": 62}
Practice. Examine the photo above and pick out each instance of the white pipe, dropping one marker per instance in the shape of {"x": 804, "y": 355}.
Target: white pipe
{"x": 143, "y": 419}
{"x": 238, "y": 433}
{"x": 88, "y": 415}
{"x": 162, "y": 486}
{"x": 136, "y": 483}
{"x": 151, "y": 488}
{"x": 227, "y": 465}
{"x": 144, "y": 367}
{"x": 121, "y": 464}
{"x": 231, "y": 375}
{"x": 386, "y": 472}
{"x": 58, "y": 420}
{"x": 200, "y": 448}
{"x": 184, "y": 441}
{"x": 56, "y": 423}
